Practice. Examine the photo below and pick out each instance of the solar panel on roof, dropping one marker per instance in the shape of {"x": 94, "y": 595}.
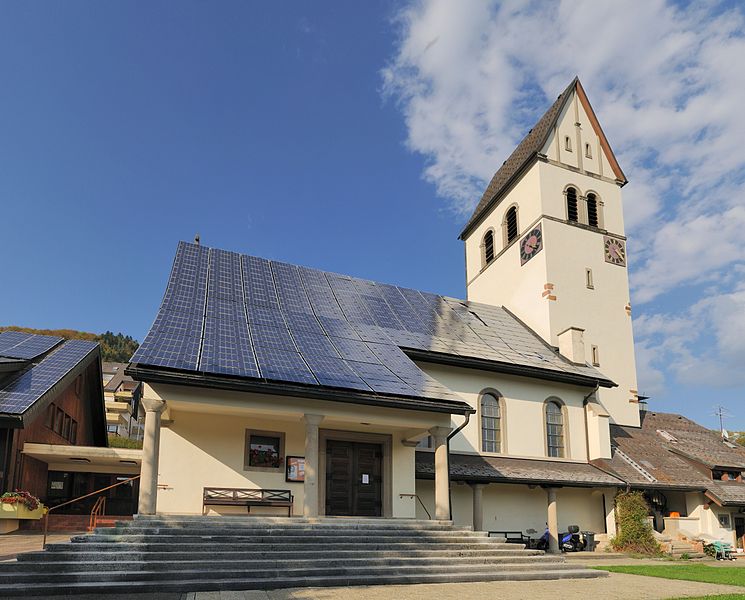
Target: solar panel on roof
{"x": 26, "y": 346}
{"x": 18, "y": 395}
{"x": 271, "y": 320}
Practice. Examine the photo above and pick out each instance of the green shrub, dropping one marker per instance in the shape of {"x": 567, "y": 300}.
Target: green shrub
{"x": 634, "y": 531}
{"x": 116, "y": 441}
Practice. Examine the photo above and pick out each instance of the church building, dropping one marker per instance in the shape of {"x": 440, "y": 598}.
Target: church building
{"x": 320, "y": 394}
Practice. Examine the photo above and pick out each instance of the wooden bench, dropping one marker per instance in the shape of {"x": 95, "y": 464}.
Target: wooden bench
{"x": 247, "y": 497}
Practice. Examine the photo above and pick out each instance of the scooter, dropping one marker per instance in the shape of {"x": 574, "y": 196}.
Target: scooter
{"x": 573, "y": 540}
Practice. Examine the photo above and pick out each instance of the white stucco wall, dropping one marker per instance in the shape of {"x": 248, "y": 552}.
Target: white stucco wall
{"x": 523, "y": 421}
{"x": 509, "y": 507}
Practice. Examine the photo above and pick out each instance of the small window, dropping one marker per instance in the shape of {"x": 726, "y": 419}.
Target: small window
{"x": 724, "y": 521}
{"x": 264, "y": 450}
{"x": 74, "y": 432}
{"x": 488, "y": 247}
{"x": 59, "y": 417}
{"x": 595, "y": 356}
{"x": 511, "y": 224}
{"x": 49, "y": 421}
{"x": 588, "y": 151}
{"x": 491, "y": 438}
{"x": 66, "y": 427}
{"x": 567, "y": 143}
{"x": 588, "y": 279}
{"x": 592, "y": 210}
{"x": 572, "y": 212}
{"x": 554, "y": 430}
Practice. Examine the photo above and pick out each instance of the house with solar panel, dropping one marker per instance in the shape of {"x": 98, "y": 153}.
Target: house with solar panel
{"x": 272, "y": 388}
{"x": 53, "y": 430}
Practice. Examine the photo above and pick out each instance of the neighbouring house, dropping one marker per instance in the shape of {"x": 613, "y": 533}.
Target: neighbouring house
{"x": 53, "y": 426}
{"x": 124, "y": 417}
{"x": 503, "y": 411}
{"x": 692, "y": 478}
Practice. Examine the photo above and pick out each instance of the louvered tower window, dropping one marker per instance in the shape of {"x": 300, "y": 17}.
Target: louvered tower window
{"x": 491, "y": 439}
{"x": 592, "y": 210}
{"x": 554, "y": 430}
{"x": 572, "y": 212}
{"x": 488, "y": 247}
{"x": 511, "y": 223}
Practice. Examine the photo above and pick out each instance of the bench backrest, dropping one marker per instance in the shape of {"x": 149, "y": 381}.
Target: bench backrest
{"x": 243, "y": 494}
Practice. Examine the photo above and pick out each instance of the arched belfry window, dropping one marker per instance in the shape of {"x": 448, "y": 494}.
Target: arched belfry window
{"x": 510, "y": 225}
{"x": 491, "y": 424}
{"x": 592, "y": 210}
{"x": 572, "y": 209}
{"x": 554, "y": 429}
{"x": 488, "y": 247}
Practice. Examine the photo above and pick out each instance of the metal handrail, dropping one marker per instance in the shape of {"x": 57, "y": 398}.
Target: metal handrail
{"x": 48, "y": 510}
{"x": 99, "y": 509}
{"x": 429, "y": 516}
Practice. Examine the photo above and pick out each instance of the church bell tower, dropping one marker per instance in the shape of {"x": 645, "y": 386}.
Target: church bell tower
{"x": 547, "y": 242}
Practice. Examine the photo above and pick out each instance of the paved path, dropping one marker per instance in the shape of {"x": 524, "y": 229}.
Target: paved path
{"x": 614, "y": 587}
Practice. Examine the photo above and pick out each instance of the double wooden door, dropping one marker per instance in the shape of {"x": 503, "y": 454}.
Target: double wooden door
{"x": 353, "y": 478}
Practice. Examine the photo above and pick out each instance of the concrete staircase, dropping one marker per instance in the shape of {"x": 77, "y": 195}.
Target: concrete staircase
{"x": 188, "y": 554}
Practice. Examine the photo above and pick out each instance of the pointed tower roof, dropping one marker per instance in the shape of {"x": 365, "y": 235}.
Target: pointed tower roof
{"x": 528, "y": 149}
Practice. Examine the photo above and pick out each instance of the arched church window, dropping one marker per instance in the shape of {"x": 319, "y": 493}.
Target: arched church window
{"x": 592, "y": 210}
{"x": 488, "y": 247}
{"x": 554, "y": 429}
{"x": 572, "y": 210}
{"x": 491, "y": 430}
{"x": 511, "y": 229}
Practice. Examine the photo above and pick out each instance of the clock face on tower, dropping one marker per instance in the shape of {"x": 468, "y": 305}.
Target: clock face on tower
{"x": 531, "y": 244}
{"x": 615, "y": 251}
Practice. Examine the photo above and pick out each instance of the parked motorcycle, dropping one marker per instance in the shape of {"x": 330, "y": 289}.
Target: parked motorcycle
{"x": 573, "y": 540}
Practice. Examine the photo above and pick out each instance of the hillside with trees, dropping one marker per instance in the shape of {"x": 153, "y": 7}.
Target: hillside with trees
{"x": 115, "y": 347}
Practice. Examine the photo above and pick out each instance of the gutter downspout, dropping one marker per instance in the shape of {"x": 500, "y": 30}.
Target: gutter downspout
{"x": 587, "y": 427}
{"x": 452, "y": 434}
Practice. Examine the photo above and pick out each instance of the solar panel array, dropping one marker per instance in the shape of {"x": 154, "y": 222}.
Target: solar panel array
{"x": 19, "y": 394}
{"x": 231, "y": 314}
{"x": 14, "y": 344}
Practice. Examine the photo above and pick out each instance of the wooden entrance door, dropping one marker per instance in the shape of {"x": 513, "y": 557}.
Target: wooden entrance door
{"x": 740, "y": 531}
{"x": 353, "y": 478}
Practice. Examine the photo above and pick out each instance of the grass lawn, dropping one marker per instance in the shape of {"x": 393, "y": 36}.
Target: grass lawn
{"x": 702, "y": 573}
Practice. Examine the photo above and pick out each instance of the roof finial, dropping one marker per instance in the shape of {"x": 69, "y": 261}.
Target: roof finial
{"x": 196, "y": 239}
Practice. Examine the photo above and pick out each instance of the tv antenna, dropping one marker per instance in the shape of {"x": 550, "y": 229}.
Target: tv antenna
{"x": 721, "y": 412}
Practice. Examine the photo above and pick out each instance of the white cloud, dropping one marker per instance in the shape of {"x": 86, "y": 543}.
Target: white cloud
{"x": 471, "y": 77}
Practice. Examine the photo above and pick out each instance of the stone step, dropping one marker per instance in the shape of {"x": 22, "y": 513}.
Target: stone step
{"x": 284, "y": 532}
{"x": 276, "y": 539}
{"x": 206, "y": 548}
{"x": 101, "y": 563}
{"x": 279, "y": 520}
{"x": 116, "y": 553}
{"x": 133, "y": 585}
{"x": 316, "y": 570}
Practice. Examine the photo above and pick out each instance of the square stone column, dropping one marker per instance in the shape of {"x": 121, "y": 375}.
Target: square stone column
{"x": 478, "y": 506}
{"x": 310, "y": 485}
{"x": 150, "y": 456}
{"x": 442, "y": 472}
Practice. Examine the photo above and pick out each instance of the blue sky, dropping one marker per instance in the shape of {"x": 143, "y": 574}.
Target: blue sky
{"x": 355, "y": 137}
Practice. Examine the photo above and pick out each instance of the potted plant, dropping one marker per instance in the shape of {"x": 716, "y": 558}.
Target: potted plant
{"x": 20, "y": 505}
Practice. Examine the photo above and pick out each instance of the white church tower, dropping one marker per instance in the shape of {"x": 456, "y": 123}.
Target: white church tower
{"x": 547, "y": 242}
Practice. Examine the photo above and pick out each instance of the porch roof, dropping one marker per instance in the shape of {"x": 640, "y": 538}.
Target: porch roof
{"x": 727, "y": 493}
{"x": 499, "y": 469}
{"x": 87, "y": 458}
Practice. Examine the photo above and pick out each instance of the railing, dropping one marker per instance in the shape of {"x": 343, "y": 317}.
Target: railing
{"x": 429, "y": 516}
{"x": 46, "y": 514}
{"x": 99, "y": 509}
